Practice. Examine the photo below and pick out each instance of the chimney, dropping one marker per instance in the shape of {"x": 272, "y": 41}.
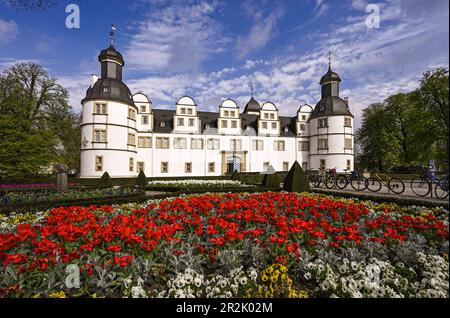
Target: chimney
{"x": 94, "y": 79}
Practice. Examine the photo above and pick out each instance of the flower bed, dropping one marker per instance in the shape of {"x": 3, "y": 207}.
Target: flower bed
{"x": 35, "y": 186}
{"x": 229, "y": 245}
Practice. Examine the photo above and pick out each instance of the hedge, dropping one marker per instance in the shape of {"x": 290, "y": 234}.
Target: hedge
{"x": 39, "y": 206}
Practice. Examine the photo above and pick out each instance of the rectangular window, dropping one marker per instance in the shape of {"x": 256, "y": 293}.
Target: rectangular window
{"x": 224, "y": 124}
{"x": 235, "y": 144}
{"x": 264, "y": 125}
{"x": 144, "y": 119}
{"x": 132, "y": 139}
{"x": 303, "y": 117}
{"x": 232, "y": 113}
{"x": 266, "y": 116}
{"x": 191, "y": 122}
{"x": 131, "y": 113}
{"x": 323, "y": 123}
{"x": 164, "y": 167}
{"x": 189, "y": 111}
{"x": 323, "y": 164}
{"x": 188, "y": 167}
{"x": 279, "y": 145}
{"x": 272, "y": 116}
{"x": 162, "y": 143}
{"x": 213, "y": 144}
{"x": 303, "y": 145}
{"x": 323, "y": 144}
{"x": 347, "y": 122}
{"x": 140, "y": 166}
{"x": 302, "y": 127}
{"x": 144, "y": 142}
{"x": 131, "y": 164}
{"x": 274, "y": 125}
{"x": 143, "y": 109}
{"x": 183, "y": 111}
{"x": 233, "y": 124}
{"x": 196, "y": 143}
{"x": 305, "y": 166}
{"x": 100, "y": 108}
{"x": 98, "y": 163}
{"x": 225, "y": 113}
{"x": 99, "y": 135}
{"x": 180, "y": 121}
{"x": 258, "y": 145}
{"x": 180, "y": 143}
{"x": 349, "y": 165}
{"x": 211, "y": 167}
{"x": 348, "y": 143}
{"x": 285, "y": 166}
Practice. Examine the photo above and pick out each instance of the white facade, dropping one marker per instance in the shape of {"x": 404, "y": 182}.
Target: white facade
{"x": 123, "y": 137}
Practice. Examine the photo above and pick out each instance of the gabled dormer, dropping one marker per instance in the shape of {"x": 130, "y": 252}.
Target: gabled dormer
{"x": 229, "y": 120}
{"x": 268, "y": 121}
{"x": 302, "y": 122}
{"x": 145, "y": 114}
{"x": 186, "y": 117}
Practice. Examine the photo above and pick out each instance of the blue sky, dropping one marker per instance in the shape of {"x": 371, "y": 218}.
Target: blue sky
{"x": 211, "y": 50}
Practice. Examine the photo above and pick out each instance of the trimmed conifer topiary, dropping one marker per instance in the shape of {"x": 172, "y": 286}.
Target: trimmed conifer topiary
{"x": 141, "y": 181}
{"x": 271, "y": 181}
{"x": 296, "y": 180}
{"x": 105, "y": 181}
{"x": 235, "y": 176}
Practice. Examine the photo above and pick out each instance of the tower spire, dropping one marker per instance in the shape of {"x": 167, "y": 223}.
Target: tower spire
{"x": 112, "y": 34}
{"x": 250, "y": 84}
{"x": 329, "y": 59}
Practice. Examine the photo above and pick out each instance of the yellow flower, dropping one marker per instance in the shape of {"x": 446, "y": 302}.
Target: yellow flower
{"x": 60, "y": 294}
{"x": 273, "y": 279}
{"x": 269, "y": 270}
{"x": 36, "y": 296}
{"x": 264, "y": 278}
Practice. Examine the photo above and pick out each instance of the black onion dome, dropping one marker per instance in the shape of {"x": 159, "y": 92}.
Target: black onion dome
{"x": 109, "y": 89}
{"x": 331, "y": 106}
{"x": 252, "y": 106}
{"x": 330, "y": 76}
{"x": 111, "y": 53}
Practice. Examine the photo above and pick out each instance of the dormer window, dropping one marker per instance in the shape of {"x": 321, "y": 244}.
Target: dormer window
{"x": 207, "y": 126}
{"x": 303, "y": 117}
{"x": 272, "y": 116}
{"x": 183, "y": 111}
{"x": 232, "y": 113}
{"x": 143, "y": 109}
{"x": 286, "y": 129}
{"x": 105, "y": 89}
{"x": 226, "y": 113}
{"x": 162, "y": 124}
{"x": 266, "y": 115}
{"x": 189, "y": 111}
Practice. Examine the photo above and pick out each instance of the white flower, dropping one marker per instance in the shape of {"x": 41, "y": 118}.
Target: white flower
{"x": 228, "y": 294}
{"x": 138, "y": 292}
{"x": 197, "y": 282}
{"x": 307, "y": 276}
{"x": 188, "y": 278}
{"x": 243, "y": 280}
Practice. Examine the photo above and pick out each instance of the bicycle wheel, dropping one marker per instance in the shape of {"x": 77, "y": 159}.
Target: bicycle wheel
{"x": 420, "y": 186}
{"x": 396, "y": 185}
{"x": 318, "y": 183}
{"x": 373, "y": 184}
{"x": 441, "y": 189}
{"x": 341, "y": 181}
{"x": 359, "y": 183}
{"x": 330, "y": 182}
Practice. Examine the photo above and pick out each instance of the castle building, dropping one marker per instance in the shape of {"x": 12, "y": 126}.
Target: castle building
{"x": 123, "y": 134}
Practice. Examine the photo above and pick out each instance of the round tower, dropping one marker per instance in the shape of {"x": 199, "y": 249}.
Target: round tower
{"x": 331, "y": 128}
{"x": 108, "y": 128}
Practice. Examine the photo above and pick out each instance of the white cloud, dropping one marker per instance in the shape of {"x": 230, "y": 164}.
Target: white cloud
{"x": 8, "y": 31}
{"x": 261, "y": 32}
{"x": 177, "y": 38}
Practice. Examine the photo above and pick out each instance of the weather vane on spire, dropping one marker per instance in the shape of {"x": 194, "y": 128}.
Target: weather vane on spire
{"x": 329, "y": 58}
{"x": 111, "y": 34}
{"x": 250, "y": 84}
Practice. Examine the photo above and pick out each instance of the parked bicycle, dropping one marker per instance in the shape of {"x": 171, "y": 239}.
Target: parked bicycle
{"x": 327, "y": 178}
{"x": 354, "y": 178}
{"x": 423, "y": 185}
{"x": 378, "y": 180}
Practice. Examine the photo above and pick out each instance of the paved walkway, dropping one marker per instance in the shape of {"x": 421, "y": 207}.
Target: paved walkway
{"x": 153, "y": 193}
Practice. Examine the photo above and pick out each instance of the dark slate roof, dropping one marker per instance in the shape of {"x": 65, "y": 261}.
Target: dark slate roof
{"x": 117, "y": 91}
{"x": 111, "y": 53}
{"x": 210, "y": 119}
{"x": 252, "y": 106}
{"x": 332, "y": 106}
{"x": 330, "y": 76}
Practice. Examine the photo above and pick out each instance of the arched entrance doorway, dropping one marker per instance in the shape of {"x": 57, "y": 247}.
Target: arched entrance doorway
{"x": 233, "y": 164}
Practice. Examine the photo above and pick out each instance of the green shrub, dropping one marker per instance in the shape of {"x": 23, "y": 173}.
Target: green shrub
{"x": 271, "y": 181}
{"x": 105, "y": 181}
{"x": 296, "y": 180}
{"x": 235, "y": 176}
{"x": 141, "y": 181}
